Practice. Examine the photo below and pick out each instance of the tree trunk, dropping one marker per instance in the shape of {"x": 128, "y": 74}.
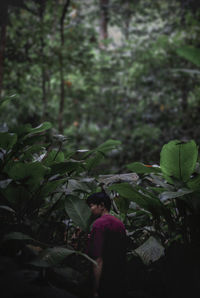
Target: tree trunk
{"x": 3, "y": 24}
{"x": 43, "y": 70}
{"x": 62, "y": 86}
{"x": 127, "y": 19}
{"x": 103, "y": 22}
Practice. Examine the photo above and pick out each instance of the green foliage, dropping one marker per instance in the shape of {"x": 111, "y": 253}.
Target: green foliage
{"x": 52, "y": 257}
{"x": 17, "y": 236}
{"x": 7, "y": 140}
{"x": 78, "y": 211}
{"x": 168, "y": 196}
{"x": 190, "y": 53}
{"x": 42, "y": 186}
{"x": 41, "y": 189}
{"x": 174, "y": 161}
{"x": 99, "y": 153}
{"x": 137, "y": 90}
{"x": 140, "y": 168}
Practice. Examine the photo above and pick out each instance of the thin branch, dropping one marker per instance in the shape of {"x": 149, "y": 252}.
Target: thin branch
{"x": 65, "y": 9}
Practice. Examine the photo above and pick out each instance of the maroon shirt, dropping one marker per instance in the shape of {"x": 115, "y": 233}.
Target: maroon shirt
{"x": 105, "y": 223}
{"x": 108, "y": 240}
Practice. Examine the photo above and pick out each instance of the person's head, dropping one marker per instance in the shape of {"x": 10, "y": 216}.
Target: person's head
{"x": 99, "y": 203}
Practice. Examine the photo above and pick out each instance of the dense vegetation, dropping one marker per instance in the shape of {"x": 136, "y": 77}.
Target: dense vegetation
{"x": 99, "y": 95}
{"x": 126, "y": 81}
{"x": 45, "y": 220}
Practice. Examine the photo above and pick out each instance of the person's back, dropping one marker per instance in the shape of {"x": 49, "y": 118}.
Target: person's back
{"x": 107, "y": 245}
{"x": 111, "y": 243}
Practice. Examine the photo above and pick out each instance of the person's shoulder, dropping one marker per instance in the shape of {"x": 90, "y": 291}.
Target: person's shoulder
{"x": 101, "y": 222}
{"x": 108, "y": 220}
{"x": 115, "y": 219}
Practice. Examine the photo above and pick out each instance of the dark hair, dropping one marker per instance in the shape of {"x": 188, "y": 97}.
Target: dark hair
{"x": 98, "y": 198}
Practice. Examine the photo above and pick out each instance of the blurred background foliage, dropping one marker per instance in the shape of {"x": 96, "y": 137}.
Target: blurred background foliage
{"x": 99, "y": 70}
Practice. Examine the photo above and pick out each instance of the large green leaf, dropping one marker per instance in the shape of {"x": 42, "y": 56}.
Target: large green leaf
{"x": 7, "y": 140}
{"x": 94, "y": 161}
{"x": 30, "y": 150}
{"x": 40, "y": 128}
{"x": 54, "y": 157}
{"x": 78, "y": 211}
{"x": 140, "y": 196}
{"x": 194, "y": 183}
{"x": 190, "y": 53}
{"x": 178, "y": 159}
{"x": 33, "y": 172}
{"x": 174, "y": 194}
{"x": 127, "y": 191}
{"x": 17, "y": 236}
{"x": 150, "y": 251}
{"x": 160, "y": 182}
{"x": 108, "y": 146}
{"x": 140, "y": 168}
{"x": 122, "y": 204}
{"x": 51, "y": 257}
{"x": 98, "y": 154}
{"x": 50, "y": 187}
{"x": 22, "y": 130}
{"x": 66, "y": 167}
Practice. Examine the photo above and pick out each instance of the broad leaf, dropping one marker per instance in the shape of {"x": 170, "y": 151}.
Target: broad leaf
{"x": 190, "y": 53}
{"x": 78, "y": 211}
{"x": 22, "y": 130}
{"x": 74, "y": 185}
{"x": 30, "y": 150}
{"x": 127, "y": 191}
{"x": 178, "y": 159}
{"x": 150, "y": 251}
{"x": 17, "y": 236}
{"x": 174, "y": 194}
{"x": 50, "y": 187}
{"x": 158, "y": 181}
{"x": 140, "y": 168}
{"x": 108, "y": 146}
{"x": 53, "y": 157}
{"x": 99, "y": 153}
{"x": 42, "y": 127}
{"x": 122, "y": 204}
{"x": 141, "y": 197}
{"x": 94, "y": 161}
{"x": 66, "y": 167}
{"x": 7, "y": 140}
{"x": 194, "y": 183}
{"x": 52, "y": 256}
{"x": 33, "y": 172}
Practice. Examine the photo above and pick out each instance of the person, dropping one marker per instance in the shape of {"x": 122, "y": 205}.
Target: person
{"x": 107, "y": 246}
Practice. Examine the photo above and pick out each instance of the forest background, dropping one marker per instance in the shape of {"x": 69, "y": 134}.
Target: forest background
{"x": 100, "y": 70}
{"x": 84, "y": 80}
